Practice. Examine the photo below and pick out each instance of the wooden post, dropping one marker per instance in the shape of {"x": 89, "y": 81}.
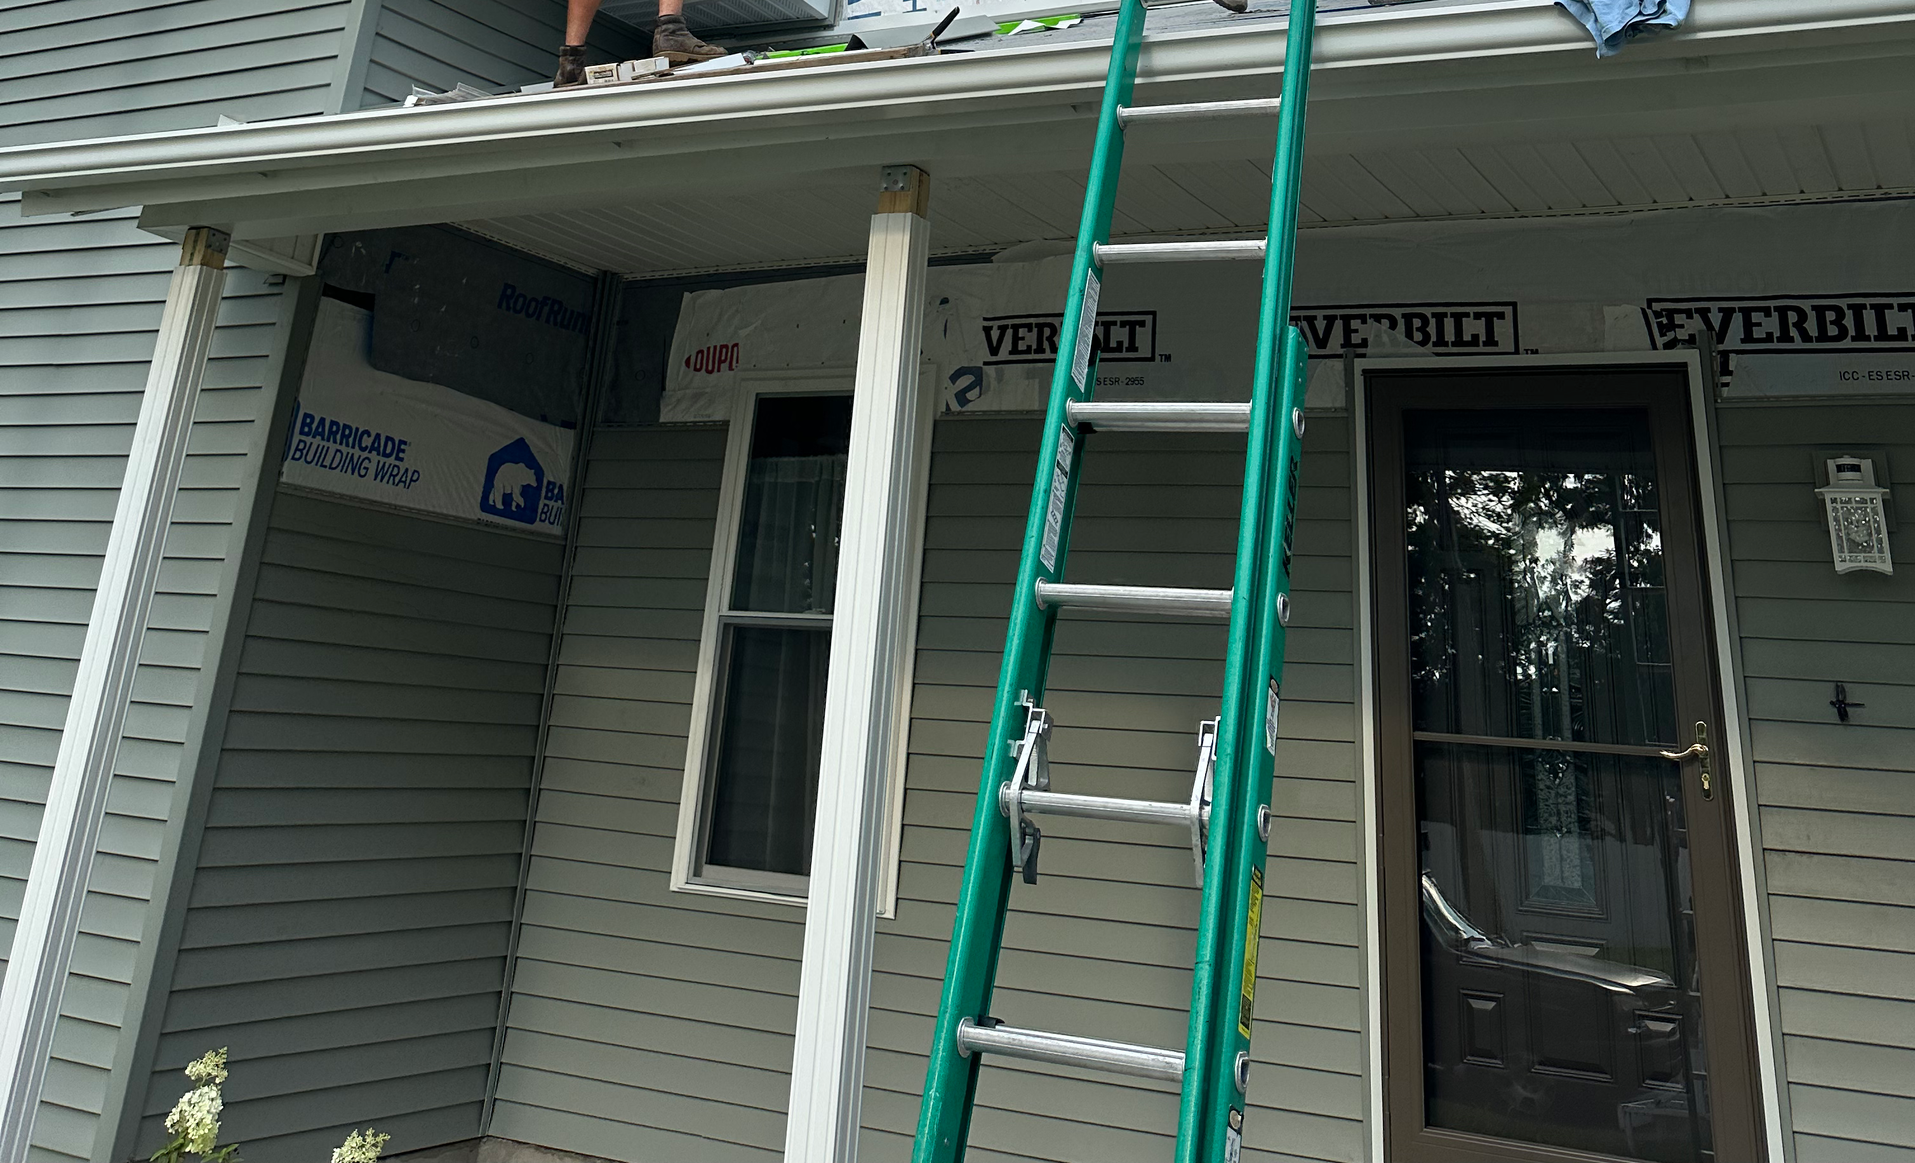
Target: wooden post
{"x": 860, "y": 722}
{"x": 96, "y": 714}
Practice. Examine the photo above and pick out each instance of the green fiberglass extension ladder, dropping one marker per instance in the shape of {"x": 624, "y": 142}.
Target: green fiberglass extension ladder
{"x": 1227, "y": 814}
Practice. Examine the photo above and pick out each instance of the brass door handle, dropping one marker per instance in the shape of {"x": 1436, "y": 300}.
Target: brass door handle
{"x": 1699, "y": 751}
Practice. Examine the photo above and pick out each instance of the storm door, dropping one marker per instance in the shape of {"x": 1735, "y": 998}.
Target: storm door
{"x": 1563, "y": 975}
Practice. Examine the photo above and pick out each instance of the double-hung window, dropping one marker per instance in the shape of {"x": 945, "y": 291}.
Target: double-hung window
{"x": 751, "y": 787}
{"x": 749, "y": 804}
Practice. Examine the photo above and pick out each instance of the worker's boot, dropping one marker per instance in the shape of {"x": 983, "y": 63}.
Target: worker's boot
{"x": 670, "y": 38}
{"x": 1235, "y": 5}
{"x": 571, "y": 66}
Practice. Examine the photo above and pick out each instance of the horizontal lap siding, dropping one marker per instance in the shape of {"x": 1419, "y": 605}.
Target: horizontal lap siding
{"x": 79, "y": 302}
{"x": 650, "y": 1026}
{"x": 645, "y": 1025}
{"x": 1102, "y": 945}
{"x": 1836, "y": 802}
{"x": 489, "y": 44}
{"x": 72, "y": 69}
{"x": 348, "y": 923}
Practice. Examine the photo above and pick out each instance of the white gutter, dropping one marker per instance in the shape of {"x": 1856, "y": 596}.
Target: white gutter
{"x": 685, "y": 118}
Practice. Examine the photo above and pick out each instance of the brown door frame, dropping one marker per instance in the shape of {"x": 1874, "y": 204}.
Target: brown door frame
{"x": 1663, "y": 390}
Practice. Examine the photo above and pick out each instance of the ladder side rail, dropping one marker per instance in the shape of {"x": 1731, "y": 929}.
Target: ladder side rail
{"x": 1200, "y": 1059}
{"x": 1247, "y": 848}
{"x": 1208, "y": 1072}
{"x": 977, "y": 929}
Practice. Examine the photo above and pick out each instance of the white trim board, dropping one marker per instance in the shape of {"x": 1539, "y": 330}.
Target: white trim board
{"x": 1755, "y": 913}
{"x": 1370, "y": 874}
{"x": 801, "y": 381}
{"x": 1390, "y": 75}
{"x": 64, "y": 852}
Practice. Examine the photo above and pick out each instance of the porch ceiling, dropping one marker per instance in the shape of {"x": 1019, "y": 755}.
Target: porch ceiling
{"x": 1435, "y": 111}
{"x": 827, "y": 223}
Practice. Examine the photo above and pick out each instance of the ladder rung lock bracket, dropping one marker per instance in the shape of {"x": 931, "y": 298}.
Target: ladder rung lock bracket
{"x": 1071, "y": 1050}
{"x": 1199, "y": 111}
{"x": 1225, "y": 249}
{"x": 1161, "y": 600}
{"x": 1156, "y": 417}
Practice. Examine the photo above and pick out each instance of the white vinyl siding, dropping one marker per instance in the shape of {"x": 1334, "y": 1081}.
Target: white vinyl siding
{"x": 653, "y": 1027}
{"x": 1836, "y": 801}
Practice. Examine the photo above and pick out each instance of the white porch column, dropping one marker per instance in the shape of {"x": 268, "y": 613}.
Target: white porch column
{"x": 834, "y": 989}
{"x": 83, "y": 767}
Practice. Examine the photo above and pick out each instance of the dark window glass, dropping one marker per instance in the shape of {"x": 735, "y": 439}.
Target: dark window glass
{"x": 776, "y": 640}
{"x": 766, "y": 786}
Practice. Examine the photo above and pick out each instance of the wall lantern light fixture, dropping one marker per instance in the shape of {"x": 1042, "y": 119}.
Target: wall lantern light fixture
{"x": 1858, "y": 526}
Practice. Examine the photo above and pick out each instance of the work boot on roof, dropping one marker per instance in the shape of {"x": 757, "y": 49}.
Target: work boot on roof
{"x": 672, "y": 39}
{"x": 571, "y": 66}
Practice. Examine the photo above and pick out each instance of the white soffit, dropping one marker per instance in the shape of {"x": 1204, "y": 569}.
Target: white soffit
{"x": 828, "y": 223}
{"x": 1426, "y": 110}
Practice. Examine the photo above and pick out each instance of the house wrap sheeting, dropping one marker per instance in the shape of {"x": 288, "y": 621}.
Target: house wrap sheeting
{"x": 1804, "y": 299}
{"x": 79, "y": 301}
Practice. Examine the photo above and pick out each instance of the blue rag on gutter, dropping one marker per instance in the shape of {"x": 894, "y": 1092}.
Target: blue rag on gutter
{"x": 1615, "y": 22}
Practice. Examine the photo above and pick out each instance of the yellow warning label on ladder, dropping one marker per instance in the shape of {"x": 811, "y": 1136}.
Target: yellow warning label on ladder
{"x": 1253, "y": 925}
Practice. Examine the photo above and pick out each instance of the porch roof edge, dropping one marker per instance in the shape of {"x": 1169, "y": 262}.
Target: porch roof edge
{"x": 690, "y": 119}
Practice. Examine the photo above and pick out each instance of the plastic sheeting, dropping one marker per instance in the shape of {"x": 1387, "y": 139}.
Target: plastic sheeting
{"x": 360, "y": 432}
{"x": 452, "y": 309}
{"x": 1765, "y": 282}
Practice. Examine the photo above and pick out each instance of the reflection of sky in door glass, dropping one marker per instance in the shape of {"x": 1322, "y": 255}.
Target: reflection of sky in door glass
{"x": 1539, "y": 602}
{"x": 1560, "y": 999}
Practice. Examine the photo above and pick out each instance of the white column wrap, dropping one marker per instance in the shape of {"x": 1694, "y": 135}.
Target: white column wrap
{"x": 90, "y": 742}
{"x": 860, "y": 725}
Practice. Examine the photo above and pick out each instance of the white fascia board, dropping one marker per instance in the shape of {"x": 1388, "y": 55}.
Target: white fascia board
{"x": 363, "y": 163}
{"x": 1041, "y": 74}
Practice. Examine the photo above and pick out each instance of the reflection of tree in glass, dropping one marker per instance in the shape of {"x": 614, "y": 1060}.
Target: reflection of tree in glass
{"x": 1521, "y": 605}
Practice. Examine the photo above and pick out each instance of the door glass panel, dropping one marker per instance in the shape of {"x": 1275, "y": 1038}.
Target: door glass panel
{"x": 1536, "y": 578}
{"x": 1560, "y": 1000}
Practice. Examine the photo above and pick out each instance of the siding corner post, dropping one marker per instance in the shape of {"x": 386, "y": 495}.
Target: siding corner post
{"x": 860, "y": 723}
{"x": 69, "y": 832}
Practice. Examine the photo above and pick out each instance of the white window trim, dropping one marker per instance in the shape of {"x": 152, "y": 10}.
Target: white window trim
{"x": 780, "y": 888}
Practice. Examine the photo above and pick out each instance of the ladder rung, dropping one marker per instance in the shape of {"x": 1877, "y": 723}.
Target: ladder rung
{"x": 1229, "y": 248}
{"x": 1071, "y": 1050}
{"x": 1136, "y": 599}
{"x": 1199, "y": 111}
{"x": 1052, "y": 803}
{"x": 1159, "y": 417}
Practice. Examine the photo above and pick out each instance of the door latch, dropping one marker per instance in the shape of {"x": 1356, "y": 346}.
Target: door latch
{"x": 1699, "y": 751}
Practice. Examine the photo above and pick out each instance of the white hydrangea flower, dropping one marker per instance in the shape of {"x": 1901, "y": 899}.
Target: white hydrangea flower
{"x": 209, "y": 1069}
{"x": 195, "y": 1117}
{"x": 361, "y": 1147}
